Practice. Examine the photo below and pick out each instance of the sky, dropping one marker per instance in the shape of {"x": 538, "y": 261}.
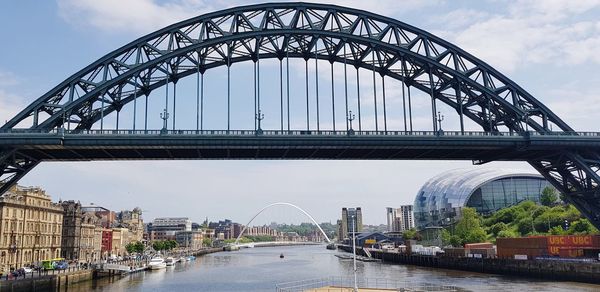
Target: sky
{"x": 550, "y": 48}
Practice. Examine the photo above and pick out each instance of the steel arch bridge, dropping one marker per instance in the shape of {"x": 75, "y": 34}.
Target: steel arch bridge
{"x": 68, "y": 122}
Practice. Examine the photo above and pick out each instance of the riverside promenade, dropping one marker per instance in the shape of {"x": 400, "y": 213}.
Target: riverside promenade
{"x": 54, "y": 280}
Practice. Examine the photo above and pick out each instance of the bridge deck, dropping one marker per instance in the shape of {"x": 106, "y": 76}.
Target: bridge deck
{"x": 126, "y": 144}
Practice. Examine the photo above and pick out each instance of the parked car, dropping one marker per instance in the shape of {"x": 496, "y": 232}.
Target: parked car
{"x": 27, "y": 270}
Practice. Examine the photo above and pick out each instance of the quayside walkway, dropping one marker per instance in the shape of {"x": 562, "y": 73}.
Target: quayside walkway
{"x": 345, "y": 284}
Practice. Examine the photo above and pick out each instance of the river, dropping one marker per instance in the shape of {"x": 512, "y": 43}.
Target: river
{"x": 261, "y": 269}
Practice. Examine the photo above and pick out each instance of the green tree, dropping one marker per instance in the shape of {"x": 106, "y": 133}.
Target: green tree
{"x": 130, "y": 247}
{"x": 525, "y": 225}
{"x": 468, "y": 229}
{"x": 456, "y": 241}
{"x": 135, "y": 247}
{"x": 139, "y": 247}
{"x": 158, "y": 245}
{"x": 207, "y": 242}
{"x": 497, "y": 228}
{"x": 170, "y": 244}
{"x": 582, "y": 226}
{"x": 549, "y": 196}
{"x": 410, "y": 234}
{"x": 508, "y": 233}
{"x": 557, "y": 230}
{"x": 446, "y": 236}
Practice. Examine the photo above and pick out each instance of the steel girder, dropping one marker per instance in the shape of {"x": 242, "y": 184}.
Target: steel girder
{"x": 263, "y": 31}
{"x": 279, "y": 30}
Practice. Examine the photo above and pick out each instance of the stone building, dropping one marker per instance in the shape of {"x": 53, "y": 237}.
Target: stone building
{"x": 120, "y": 238}
{"x": 91, "y": 238}
{"x": 189, "y": 239}
{"x": 132, "y": 220}
{"x": 30, "y": 227}
{"x": 71, "y": 231}
{"x": 98, "y": 254}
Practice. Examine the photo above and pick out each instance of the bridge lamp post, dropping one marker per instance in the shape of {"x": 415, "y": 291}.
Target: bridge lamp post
{"x": 351, "y": 117}
{"x": 440, "y": 118}
{"x": 164, "y": 116}
{"x": 259, "y": 117}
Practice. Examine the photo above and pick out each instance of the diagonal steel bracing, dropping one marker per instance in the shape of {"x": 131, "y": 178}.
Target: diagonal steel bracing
{"x": 351, "y": 37}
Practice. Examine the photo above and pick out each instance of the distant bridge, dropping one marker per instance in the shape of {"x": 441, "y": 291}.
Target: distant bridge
{"x": 329, "y": 117}
{"x": 275, "y": 243}
{"x": 282, "y": 204}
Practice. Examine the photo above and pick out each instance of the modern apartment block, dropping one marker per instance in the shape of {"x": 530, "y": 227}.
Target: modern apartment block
{"x": 351, "y": 220}
{"x": 400, "y": 219}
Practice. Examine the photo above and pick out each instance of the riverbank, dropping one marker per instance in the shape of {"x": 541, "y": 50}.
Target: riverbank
{"x": 60, "y": 279}
{"x": 576, "y": 271}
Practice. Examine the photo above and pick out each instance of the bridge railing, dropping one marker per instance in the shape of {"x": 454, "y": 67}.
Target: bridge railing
{"x": 276, "y": 133}
{"x": 345, "y": 284}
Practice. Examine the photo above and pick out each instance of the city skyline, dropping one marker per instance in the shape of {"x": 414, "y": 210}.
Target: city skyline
{"x": 238, "y": 189}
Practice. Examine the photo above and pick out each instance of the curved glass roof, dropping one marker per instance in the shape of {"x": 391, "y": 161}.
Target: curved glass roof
{"x": 453, "y": 188}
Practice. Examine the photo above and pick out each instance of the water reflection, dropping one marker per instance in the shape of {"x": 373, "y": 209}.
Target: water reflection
{"x": 260, "y": 269}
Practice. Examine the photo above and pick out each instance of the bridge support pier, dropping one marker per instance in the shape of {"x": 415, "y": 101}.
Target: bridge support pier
{"x": 575, "y": 175}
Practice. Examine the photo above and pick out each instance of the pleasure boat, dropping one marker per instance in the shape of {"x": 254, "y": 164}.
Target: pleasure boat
{"x": 170, "y": 261}
{"x": 157, "y": 263}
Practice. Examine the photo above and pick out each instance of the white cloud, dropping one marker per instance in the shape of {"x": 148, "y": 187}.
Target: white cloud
{"x": 578, "y": 106}
{"x": 528, "y": 32}
{"x": 144, "y": 16}
{"x": 10, "y": 103}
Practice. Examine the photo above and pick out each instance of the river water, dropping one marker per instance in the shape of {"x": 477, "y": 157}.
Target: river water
{"x": 261, "y": 269}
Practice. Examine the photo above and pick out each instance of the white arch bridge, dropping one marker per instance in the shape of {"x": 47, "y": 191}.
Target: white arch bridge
{"x": 281, "y": 204}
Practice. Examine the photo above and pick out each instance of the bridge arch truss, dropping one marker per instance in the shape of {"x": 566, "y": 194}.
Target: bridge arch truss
{"x": 356, "y": 38}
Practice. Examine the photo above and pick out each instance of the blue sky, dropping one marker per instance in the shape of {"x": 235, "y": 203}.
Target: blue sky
{"x": 548, "y": 47}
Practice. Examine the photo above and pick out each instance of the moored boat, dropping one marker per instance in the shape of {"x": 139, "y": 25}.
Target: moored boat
{"x": 157, "y": 263}
{"x": 170, "y": 261}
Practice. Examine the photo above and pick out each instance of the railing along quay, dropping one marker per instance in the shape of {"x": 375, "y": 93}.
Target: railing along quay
{"x": 296, "y": 133}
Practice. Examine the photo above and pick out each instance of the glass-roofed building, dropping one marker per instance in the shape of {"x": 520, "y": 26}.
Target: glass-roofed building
{"x": 440, "y": 200}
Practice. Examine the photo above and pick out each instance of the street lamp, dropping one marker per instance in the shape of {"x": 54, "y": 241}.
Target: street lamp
{"x": 259, "y": 117}
{"x": 440, "y": 118}
{"x": 165, "y": 117}
{"x": 351, "y": 117}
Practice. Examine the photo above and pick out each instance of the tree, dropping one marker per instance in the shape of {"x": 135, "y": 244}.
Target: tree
{"x": 507, "y": 233}
{"x": 446, "y": 237}
{"x": 557, "y": 230}
{"x": 130, "y": 247}
{"x": 468, "y": 229}
{"x": 135, "y": 247}
{"x": 497, "y": 228}
{"x": 158, "y": 245}
{"x": 582, "y": 226}
{"x": 409, "y": 234}
{"x": 170, "y": 244}
{"x": 207, "y": 242}
{"x": 549, "y": 196}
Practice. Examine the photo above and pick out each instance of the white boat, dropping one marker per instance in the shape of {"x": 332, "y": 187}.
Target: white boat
{"x": 183, "y": 259}
{"x": 157, "y": 263}
{"x": 170, "y": 261}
